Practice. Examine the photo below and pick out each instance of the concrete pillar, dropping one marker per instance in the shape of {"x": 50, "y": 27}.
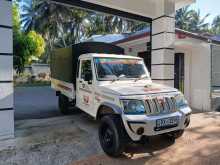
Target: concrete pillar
{"x": 163, "y": 37}
{"x": 6, "y": 71}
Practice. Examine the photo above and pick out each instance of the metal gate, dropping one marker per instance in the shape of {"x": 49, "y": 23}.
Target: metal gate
{"x": 215, "y": 77}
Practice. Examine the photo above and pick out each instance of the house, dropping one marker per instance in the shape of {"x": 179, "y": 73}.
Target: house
{"x": 194, "y": 65}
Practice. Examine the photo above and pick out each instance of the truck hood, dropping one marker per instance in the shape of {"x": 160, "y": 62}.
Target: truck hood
{"x": 136, "y": 89}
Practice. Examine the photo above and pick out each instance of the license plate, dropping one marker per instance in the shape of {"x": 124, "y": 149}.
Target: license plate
{"x": 166, "y": 123}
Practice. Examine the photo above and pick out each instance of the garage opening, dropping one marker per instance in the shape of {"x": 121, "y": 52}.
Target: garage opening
{"x": 72, "y": 23}
{"x": 215, "y": 78}
{"x": 146, "y": 55}
{"x": 179, "y": 72}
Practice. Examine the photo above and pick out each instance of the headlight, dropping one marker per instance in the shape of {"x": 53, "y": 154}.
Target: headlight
{"x": 180, "y": 101}
{"x": 133, "y": 107}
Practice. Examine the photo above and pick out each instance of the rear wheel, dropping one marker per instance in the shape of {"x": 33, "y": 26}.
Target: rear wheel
{"x": 64, "y": 104}
{"x": 112, "y": 135}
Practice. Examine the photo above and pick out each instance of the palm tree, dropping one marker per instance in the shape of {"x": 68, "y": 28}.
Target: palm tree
{"x": 104, "y": 24}
{"x": 45, "y": 18}
{"x": 108, "y": 24}
{"x": 191, "y": 20}
{"x": 135, "y": 26}
{"x": 62, "y": 26}
{"x": 73, "y": 28}
{"x": 182, "y": 18}
{"x": 31, "y": 12}
{"x": 216, "y": 25}
{"x": 197, "y": 23}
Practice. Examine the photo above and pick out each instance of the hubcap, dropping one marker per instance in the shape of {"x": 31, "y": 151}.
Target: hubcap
{"x": 107, "y": 137}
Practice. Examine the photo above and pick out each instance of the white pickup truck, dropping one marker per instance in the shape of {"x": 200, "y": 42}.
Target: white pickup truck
{"x": 118, "y": 91}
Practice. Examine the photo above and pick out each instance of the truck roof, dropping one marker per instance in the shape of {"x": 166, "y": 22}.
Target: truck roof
{"x": 108, "y": 55}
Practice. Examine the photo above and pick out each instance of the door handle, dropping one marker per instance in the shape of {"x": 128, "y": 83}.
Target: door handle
{"x": 83, "y": 85}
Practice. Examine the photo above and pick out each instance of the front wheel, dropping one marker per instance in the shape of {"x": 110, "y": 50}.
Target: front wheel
{"x": 112, "y": 135}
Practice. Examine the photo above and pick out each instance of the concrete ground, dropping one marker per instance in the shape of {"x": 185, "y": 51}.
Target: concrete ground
{"x": 73, "y": 140}
{"x": 200, "y": 145}
{"x": 35, "y": 103}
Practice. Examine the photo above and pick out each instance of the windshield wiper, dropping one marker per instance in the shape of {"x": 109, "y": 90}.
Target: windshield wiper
{"x": 119, "y": 77}
{"x": 141, "y": 78}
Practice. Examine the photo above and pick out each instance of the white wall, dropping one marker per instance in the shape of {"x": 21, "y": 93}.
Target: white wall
{"x": 6, "y": 71}
{"x": 197, "y": 73}
{"x": 40, "y": 68}
{"x": 200, "y": 77}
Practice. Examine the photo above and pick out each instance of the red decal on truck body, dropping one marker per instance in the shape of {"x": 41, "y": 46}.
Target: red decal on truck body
{"x": 64, "y": 87}
{"x": 152, "y": 89}
{"x": 86, "y": 99}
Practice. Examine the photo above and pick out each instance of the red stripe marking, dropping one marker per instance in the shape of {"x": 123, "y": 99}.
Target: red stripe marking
{"x": 64, "y": 87}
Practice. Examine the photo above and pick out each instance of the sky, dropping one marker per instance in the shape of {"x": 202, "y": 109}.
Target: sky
{"x": 207, "y": 6}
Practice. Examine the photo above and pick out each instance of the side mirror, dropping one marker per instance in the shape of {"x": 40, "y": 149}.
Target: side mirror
{"x": 88, "y": 77}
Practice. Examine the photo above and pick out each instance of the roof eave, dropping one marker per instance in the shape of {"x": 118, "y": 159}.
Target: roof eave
{"x": 189, "y": 34}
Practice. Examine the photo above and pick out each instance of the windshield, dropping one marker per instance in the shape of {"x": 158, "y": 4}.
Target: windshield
{"x": 120, "y": 68}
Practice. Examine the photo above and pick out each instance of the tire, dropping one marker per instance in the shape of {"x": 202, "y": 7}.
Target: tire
{"x": 112, "y": 135}
{"x": 64, "y": 104}
{"x": 175, "y": 134}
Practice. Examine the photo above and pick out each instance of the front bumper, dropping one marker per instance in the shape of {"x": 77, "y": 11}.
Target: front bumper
{"x": 142, "y": 125}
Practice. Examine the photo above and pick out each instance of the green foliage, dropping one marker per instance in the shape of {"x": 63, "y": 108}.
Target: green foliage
{"x": 16, "y": 19}
{"x": 182, "y": 18}
{"x": 191, "y": 20}
{"x": 197, "y": 23}
{"x": 216, "y": 25}
{"x": 37, "y": 45}
{"x": 62, "y": 26}
{"x": 26, "y": 46}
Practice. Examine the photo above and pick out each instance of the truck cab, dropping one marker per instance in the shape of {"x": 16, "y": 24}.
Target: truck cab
{"x": 103, "y": 78}
{"x": 118, "y": 91}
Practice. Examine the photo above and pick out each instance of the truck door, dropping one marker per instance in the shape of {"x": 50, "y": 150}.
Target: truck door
{"x": 85, "y": 92}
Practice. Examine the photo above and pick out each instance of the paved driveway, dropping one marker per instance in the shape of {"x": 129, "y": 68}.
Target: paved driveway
{"x": 35, "y": 103}
{"x": 73, "y": 140}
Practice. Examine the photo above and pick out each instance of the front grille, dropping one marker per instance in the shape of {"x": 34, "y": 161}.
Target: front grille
{"x": 161, "y": 105}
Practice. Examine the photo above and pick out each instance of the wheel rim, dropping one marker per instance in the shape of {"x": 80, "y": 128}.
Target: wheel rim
{"x": 107, "y": 137}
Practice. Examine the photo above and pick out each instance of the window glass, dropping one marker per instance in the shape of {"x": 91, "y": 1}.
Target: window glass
{"x": 85, "y": 68}
{"x": 115, "y": 68}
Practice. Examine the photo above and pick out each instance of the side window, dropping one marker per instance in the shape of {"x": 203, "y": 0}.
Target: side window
{"x": 86, "y": 68}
